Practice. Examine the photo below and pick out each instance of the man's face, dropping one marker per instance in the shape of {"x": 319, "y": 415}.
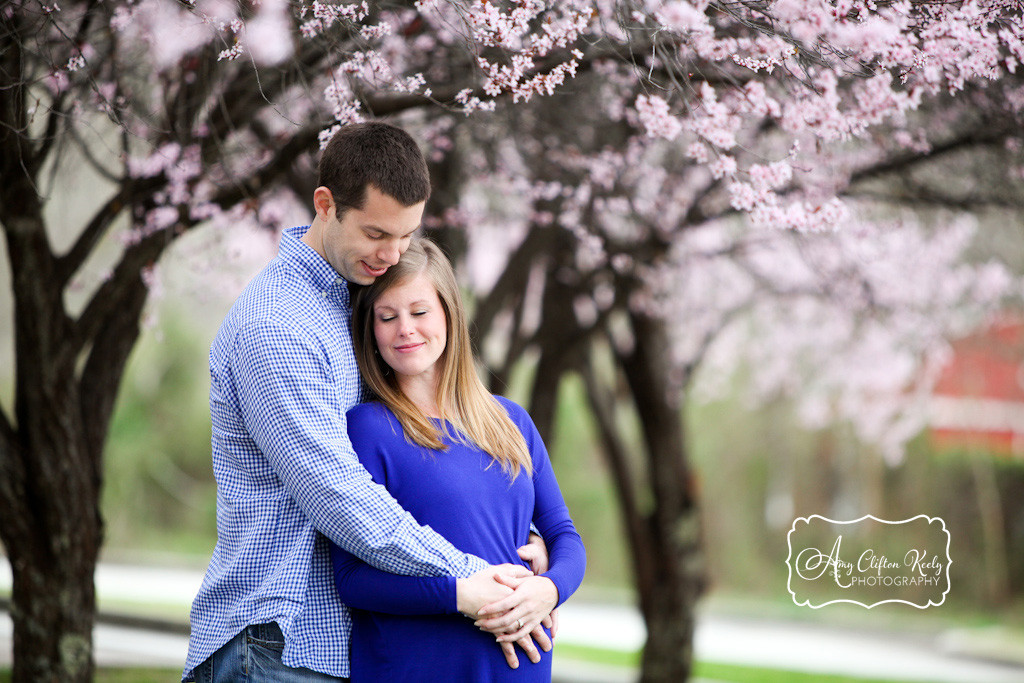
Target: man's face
{"x": 366, "y": 242}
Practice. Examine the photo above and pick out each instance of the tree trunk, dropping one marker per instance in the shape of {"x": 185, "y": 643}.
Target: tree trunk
{"x": 54, "y": 602}
{"x": 52, "y": 529}
{"x": 660, "y": 510}
{"x": 670, "y": 573}
{"x": 993, "y": 529}
{"x": 51, "y": 453}
{"x": 670, "y": 623}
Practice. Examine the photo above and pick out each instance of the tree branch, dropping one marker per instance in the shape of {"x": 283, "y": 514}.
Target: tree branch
{"x": 15, "y": 527}
{"x": 614, "y": 448}
{"x": 17, "y": 156}
{"x": 300, "y": 143}
{"x": 104, "y": 367}
{"x": 8, "y": 437}
{"x": 985, "y": 137}
{"x": 918, "y": 194}
{"x": 130, "y": 191}
{"x": 243, "y": 97}
{"x": 110, "y": 298}
{"x": 57, "y": 111}
{"x": 512, "y": 278}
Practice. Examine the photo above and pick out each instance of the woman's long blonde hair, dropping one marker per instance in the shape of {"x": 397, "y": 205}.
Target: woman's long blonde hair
{"x": 462, "y": 399}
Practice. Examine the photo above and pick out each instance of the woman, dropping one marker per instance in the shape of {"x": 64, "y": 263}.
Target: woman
{"x": 470, "y": 465}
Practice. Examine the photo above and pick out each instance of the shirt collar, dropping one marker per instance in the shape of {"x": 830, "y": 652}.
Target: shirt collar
{"x": 313, "y": 266}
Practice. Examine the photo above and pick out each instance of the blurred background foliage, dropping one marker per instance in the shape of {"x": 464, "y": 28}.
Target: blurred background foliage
{"x": 758, "y": 471}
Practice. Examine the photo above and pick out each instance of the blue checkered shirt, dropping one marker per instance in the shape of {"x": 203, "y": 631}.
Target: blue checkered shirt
{"x": 282, "y": 376}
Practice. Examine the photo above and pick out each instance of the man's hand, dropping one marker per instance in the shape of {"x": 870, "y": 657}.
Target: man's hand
{"x": 535, "y": 553}
{"x": 485, "y": 587}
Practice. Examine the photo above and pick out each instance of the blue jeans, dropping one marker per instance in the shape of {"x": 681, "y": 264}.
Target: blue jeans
{"x": 254, "y": 656}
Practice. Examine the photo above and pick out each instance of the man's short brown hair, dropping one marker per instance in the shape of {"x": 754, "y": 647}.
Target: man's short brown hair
{"x": 373, "y": 153}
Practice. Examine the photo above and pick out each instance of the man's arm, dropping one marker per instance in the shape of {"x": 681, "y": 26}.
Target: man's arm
{"x": 292, "y": 410}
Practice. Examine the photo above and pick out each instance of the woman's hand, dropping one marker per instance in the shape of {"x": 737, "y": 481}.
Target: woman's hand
{"x": 515, "y": 616}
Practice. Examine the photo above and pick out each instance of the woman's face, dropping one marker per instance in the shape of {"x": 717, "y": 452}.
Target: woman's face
{"x": 411, "y": 329}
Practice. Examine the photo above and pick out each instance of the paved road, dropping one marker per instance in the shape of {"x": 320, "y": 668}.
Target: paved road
{"x": 751, "y": 641}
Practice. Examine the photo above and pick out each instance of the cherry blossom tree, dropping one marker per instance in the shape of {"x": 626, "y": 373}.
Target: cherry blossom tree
{"x": 192, "y": 112}
{"x": 652, "y": 289}
{"x": 649, "y": 167}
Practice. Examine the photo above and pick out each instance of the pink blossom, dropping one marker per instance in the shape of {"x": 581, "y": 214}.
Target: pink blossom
{"x": 699, "y": 152}
{"x": 771, "y": 176}
{"x": 743, "y": 196}
{"x": 169, "y": 31}
{"x": 268, "y": 34}
{"x": 121, "y": 17}
{"x": 724, "y": 165}
{"x": 654, "y": 115}
{"x": 682, "y": 16}
{"x": 58, "y": 81}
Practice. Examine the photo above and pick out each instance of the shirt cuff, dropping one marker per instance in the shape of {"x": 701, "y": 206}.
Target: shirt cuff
{"x": 473, "y": 565}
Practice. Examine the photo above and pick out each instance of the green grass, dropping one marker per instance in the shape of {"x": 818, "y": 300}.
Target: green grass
{"x": 597, "y": 655}
{"x": 725, "y": 673}
{"x": 732, "y": 673}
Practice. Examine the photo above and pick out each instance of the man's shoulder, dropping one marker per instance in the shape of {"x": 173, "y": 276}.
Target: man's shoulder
{"x": 268, "y": 317}
{"x": 279, "y": 286}
{"x": 276, "y": 297}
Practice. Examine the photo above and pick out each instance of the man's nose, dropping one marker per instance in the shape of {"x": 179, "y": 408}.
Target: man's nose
{"x": 389, "y": 253}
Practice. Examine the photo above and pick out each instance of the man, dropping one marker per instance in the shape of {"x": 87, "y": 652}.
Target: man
{"x": 282, "y": 376}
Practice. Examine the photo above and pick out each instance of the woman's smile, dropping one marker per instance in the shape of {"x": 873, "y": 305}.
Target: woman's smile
{"x": 410, "y": 327}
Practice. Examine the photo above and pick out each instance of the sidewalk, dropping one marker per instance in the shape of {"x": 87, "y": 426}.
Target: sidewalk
{"x": 165, "y": 594}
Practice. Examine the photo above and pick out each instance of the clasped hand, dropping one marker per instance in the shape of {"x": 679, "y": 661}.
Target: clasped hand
{"x": 511, "y": 603}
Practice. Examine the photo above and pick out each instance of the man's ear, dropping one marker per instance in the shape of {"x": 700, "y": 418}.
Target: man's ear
{"x": 323, "y": 202}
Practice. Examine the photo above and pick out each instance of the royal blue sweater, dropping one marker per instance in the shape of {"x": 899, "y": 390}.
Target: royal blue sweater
{"x": 408, "y": 628}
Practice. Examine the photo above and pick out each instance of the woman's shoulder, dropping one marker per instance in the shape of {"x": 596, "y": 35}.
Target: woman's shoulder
{"x": 370, "y": 412}
{"x": 514, "y": 410}
{"x": 373, "y": 422}
{"x": 511, "y": 406}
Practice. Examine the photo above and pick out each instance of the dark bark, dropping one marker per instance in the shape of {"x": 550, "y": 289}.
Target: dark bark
{"x": 52, "y": 529}
{"x": 660, "y": 510}
{"x": 675, "y": 566}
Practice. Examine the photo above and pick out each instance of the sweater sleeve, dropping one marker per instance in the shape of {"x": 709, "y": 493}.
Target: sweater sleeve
{"x": 364, "y": 587}
{"x": 368, "y": 588}
{"x": 567, "y": 556}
